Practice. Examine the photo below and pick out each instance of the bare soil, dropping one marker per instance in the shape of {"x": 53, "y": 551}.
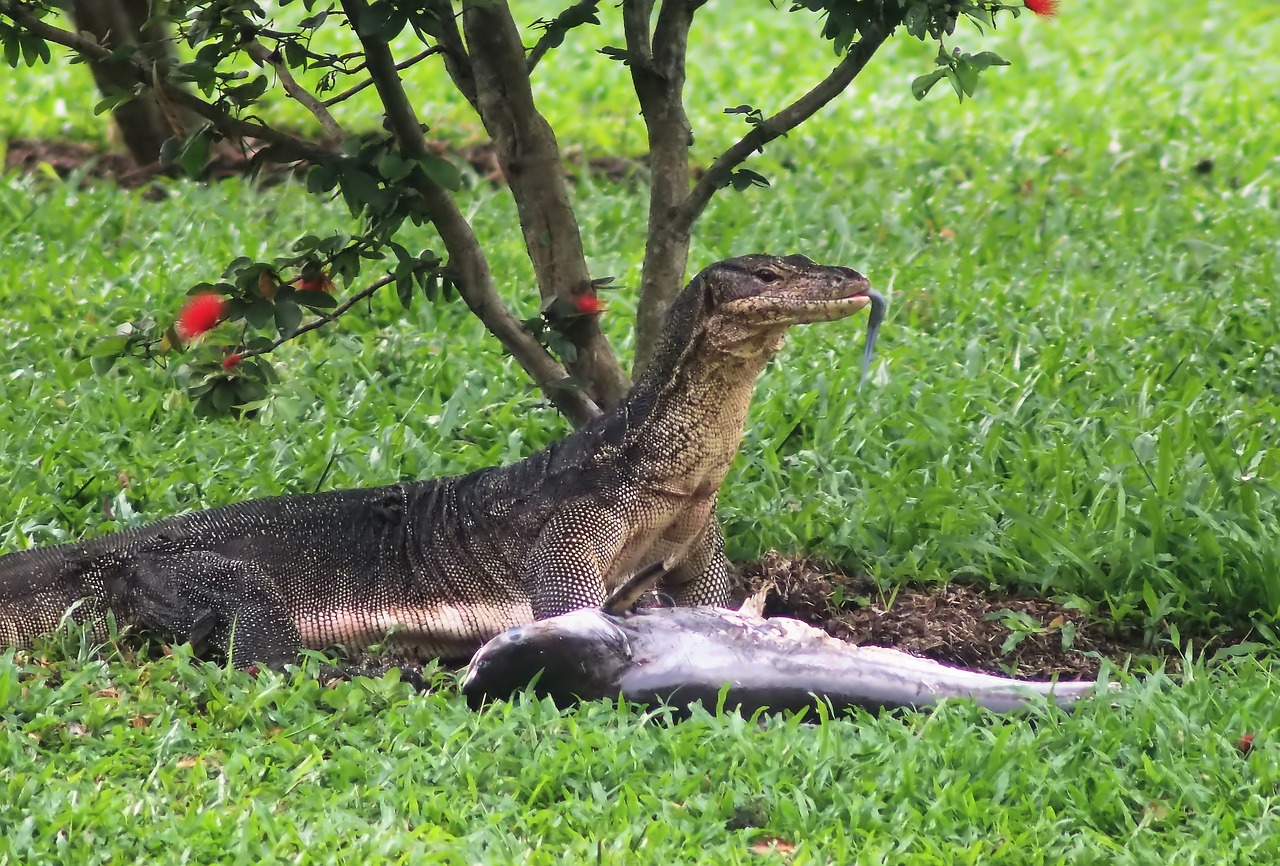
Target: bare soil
{"x": 954, "y": 624}
{"x": 29, "y": 156}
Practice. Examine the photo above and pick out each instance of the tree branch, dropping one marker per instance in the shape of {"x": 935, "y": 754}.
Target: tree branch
{"x": 635, "y": 24}
{"x": 457, "y": 62}
{"x": 466, "y": 258}
{"x": 400, "y": 67}
{"x": 320, "y": 321}
{"x": 300, "y": 94}
{"x": 777, "y": 125}
{"x": 530, "y": 159}
{"x": 658, "y": 75}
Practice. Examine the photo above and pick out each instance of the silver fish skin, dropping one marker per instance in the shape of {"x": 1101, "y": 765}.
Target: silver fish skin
{"x": 681, "y": 656}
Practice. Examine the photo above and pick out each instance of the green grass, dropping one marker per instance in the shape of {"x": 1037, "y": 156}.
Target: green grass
{"x": 1076, "y": 395}
{"x": 170, "y": 762}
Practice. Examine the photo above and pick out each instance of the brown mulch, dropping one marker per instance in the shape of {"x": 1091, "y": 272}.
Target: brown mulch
{"x": 63, "y": 157}
{"x": 954, "y": 624}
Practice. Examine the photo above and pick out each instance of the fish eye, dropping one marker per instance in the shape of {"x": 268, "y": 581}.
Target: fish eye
{"x": 766, "y": 276}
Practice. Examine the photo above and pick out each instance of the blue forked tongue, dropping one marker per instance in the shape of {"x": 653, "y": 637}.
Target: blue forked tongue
{"x": 878, "y": 307}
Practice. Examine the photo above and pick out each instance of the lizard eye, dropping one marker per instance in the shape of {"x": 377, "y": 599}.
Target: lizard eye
{"x": 767, "y": 276}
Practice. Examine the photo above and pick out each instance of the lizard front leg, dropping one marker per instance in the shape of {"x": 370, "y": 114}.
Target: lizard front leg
{"x": 566, "y": 567}
{"x": 702, "y": 577}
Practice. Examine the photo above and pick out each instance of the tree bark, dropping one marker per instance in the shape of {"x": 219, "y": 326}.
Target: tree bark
{"x": 658, "y": 73}
{"x": 142, "y": 122}
{"x": 530, "y": 159}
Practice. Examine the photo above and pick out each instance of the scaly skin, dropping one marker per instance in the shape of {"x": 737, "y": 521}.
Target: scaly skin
{"x": 444, "y": 565}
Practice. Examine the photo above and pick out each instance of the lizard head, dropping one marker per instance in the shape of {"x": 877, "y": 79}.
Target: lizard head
{"x": 744, "y": 305}
{"x": 760, "y": 292}
{"x": 741, "y": 309}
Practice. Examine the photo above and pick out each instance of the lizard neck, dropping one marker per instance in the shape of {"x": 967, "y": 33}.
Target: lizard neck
{"x": 687, "y": 413}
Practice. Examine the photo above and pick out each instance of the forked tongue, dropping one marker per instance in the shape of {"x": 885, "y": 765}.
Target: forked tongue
{"x": 878, "y": 307}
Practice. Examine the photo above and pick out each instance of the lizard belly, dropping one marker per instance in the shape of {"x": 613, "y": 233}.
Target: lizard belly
{"x": 444, "y": 630}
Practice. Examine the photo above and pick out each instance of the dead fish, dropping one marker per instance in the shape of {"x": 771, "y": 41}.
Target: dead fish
{"x": 681, "y": 656}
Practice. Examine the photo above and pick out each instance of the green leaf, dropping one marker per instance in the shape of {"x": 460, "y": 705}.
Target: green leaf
{"x": 430, "y": 286}
{"x": 359, "y": 188}
{"x": 288, "y": 318}
{"x": 248, "y": 390}
{"x": 13, "y": 51}
{"x": 442, "y": 172}
{"x": 204, "y": 407}
{"x": 266, "y": 372}
{"x": 744, "y": 178}
{"x": 110, "y": 346}
{"x": 373, "y": 19}
{"x": 34, "y": 49}
{"x": 404, "y": 289}
{"x": 321, "y": 178}
{"x": 985, "y": 59}
{"x": 967, "y": 75}
{"x": 223, "y": 396}
{"x": 245, "y": 93}
{"x": 394, "y": 168}
{"x": 618, "y": 54}
{"x": 260, "y": 312}
{"x": 111, "y": 102}
{"x": 922, "y": 85}
{"x": 314, "y": 299}
{"x": 295, "y": 55}
{"x": 103, "y": 363}
{"x": 195, "y": 154}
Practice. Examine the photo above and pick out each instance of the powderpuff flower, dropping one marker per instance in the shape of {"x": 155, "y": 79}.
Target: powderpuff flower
{"x": 231, "y": 361}
{"x": 1044, "y": 8}
{"x": 199, "y": 314}
{"x": 588, "y": 305}
{"x": 315, "y": 282}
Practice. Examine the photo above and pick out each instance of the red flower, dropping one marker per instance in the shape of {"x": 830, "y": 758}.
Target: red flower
{"x": 199, "y": 314}
{"x": 1044, "y": 8}
{"x": 231, "y": 361}
{"x": 315, "y": 282}
{"x": 588, "y": 305}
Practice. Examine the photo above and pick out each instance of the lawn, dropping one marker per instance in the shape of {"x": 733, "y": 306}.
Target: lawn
{"x": 1076, "y": 396}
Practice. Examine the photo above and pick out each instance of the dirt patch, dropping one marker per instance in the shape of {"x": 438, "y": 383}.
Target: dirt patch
{"x": 1025, "y": 637}
{"x": 64, "y": 158}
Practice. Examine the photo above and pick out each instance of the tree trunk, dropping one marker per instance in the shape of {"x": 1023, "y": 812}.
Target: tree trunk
{"x": 143, "y": 123}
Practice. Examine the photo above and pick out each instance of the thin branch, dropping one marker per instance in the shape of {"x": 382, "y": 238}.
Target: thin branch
{"x": 457, "y": 62}
{"x": 778, "y": 124}
{"x": 320, "y": 321}
{"x": 400, "y": 67}
{"x": 575, "y": 16}
{"x": 300, "y": 94}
